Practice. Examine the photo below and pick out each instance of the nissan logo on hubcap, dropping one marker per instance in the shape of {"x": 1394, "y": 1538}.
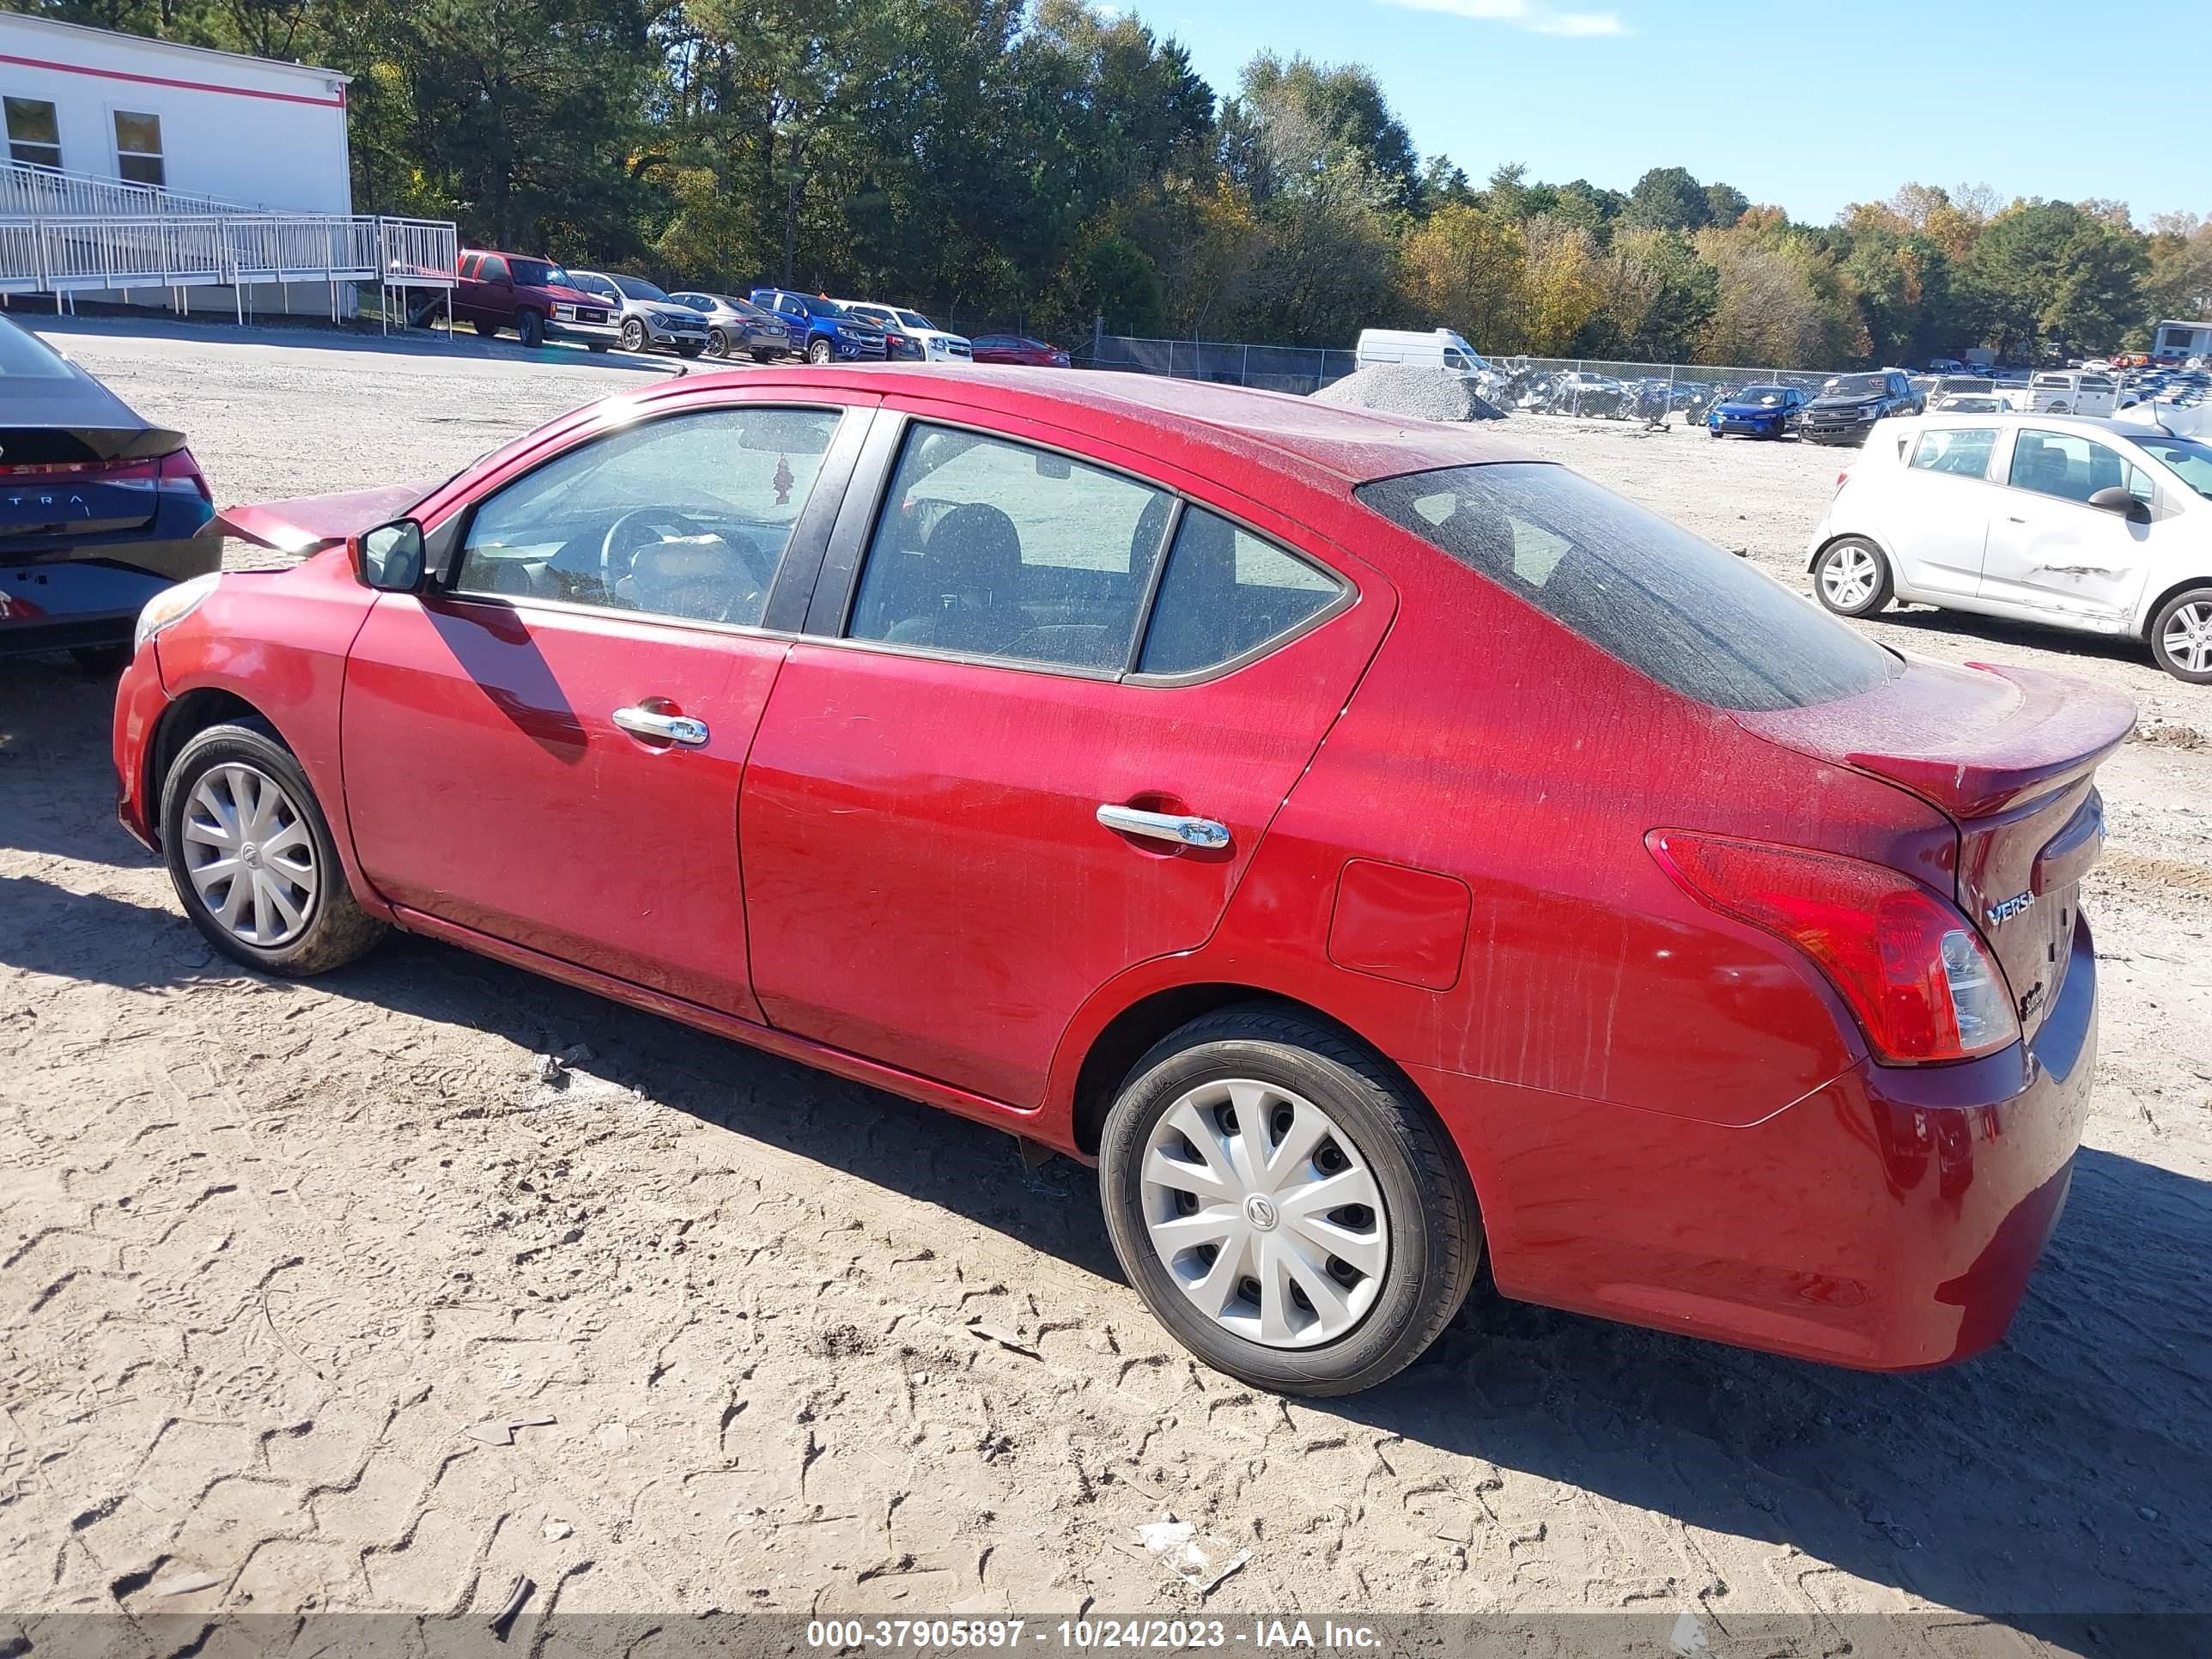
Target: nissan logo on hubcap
{"x": 1260, "y": 1212}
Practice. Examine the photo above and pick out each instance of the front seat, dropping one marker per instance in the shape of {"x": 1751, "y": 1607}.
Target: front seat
{"x": 972, "y": 569}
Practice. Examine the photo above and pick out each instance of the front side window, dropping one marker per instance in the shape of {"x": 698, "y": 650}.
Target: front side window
{"x": 2190, "y": 457}
{"x": 1962, "y": 451}
{"x": 34, "y": 132}
{"x": 1225, "y": 594}
{"x": 138, "y": 149}
{"x": 538, "y": 273}
{"x": 686, "y": 517}
{"x": 1671, "y": 606}
{"x": 989, "y": 548}
{"x": 2073, "y": 468}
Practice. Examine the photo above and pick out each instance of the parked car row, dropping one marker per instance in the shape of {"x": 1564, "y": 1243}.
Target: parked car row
{"x": 538, "y": 300}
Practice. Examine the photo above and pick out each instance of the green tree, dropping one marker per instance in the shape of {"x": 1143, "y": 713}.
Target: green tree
{"x": 1667, "y": 198}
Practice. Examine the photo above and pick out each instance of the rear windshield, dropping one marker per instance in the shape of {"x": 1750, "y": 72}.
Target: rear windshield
{"x": 24, "y": 356}
{"x": 1674, "y": 607}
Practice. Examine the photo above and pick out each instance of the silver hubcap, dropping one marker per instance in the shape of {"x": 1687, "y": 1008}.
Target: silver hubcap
{"x": 250, "y": 856}
{"x": 1265, "y": 1214}
{"x": 2188, "y": 637}
{"x": 1847, "y": 577}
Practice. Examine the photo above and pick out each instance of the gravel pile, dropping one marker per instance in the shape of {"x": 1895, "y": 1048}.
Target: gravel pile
{"x": 1409, "y": 389}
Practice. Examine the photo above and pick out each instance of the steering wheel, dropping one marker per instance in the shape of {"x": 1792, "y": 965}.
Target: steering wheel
{"x": 618, "y": 546}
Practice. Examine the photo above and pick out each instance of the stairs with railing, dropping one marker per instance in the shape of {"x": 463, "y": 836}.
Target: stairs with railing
{"x": 64, "y": 233}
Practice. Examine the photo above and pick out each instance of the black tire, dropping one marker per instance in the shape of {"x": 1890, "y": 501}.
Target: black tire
{"x": 1713, "y": 431}
{"x": 2197, "y": 597}
{"x": 690, "y": 347}
{"x": 763, "y": 356}
{"x": 818, "y": 352}
{"x": 531, "y": 327}
{"x": 1877, "y": 596}
{"x": 718, "y": 342}
{"x": 597, "y": 348}
{"x": 633, "y": 334}
{"x": 101, "y": 661}
{"x": 336, "y": 929}
{"x": 487, "y": 330}
{"x": 1435, "y": 1231}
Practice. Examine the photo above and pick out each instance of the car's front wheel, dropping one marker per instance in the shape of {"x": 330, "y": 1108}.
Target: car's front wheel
{"x": 531, "y": 328}
{"x": 690, "y": 347}
{"x": 2181, "y": 635}
{"x": 251, "y": 857}
{"x": 818, "y": 352}
{"x": 633, "y": 334}
{"x": 1851, "y": 577}
{"x": 1285, "y": 1207}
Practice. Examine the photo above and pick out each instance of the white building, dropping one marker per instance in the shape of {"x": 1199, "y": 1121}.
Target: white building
{"x": 151, "y": 173}
{"x": 2181, "y": 340}
{"x": 243, "y": 131}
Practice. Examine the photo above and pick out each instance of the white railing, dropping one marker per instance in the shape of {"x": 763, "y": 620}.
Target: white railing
{"x": 36, "y": 192}
{"x": 63, "y": 255}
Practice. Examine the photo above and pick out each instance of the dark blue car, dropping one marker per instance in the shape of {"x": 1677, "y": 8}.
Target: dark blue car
{"x": 821, "y": 331}
{"x": 1757, "y": 411}
{"x": 99, "y": 510}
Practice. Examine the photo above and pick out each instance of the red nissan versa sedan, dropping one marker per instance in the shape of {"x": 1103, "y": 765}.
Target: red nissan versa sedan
{"x": 1371, "y": 846}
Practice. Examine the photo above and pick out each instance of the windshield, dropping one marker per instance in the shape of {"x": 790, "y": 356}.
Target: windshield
{"x": 822, "y": 308}
{"x": 24, "y": 356}
{"x": 636, "y": 288}
{"x": 2191, "y": 459}
{"x": 915, "y": 319}
{"x": 1668, "y": 605}
{"x": 1855, "y": 385}
{"x": 538, "y": 273}
{"x": 1766, "y": 397}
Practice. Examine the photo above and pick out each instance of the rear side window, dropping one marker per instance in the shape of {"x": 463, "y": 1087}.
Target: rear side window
{"x": 493, "y": 268}
{"x": 1671, "y": 606}
{"x": 987, "y": 548}
{"x": 1964, "y": 451}
{"x": 1225, "y": 594}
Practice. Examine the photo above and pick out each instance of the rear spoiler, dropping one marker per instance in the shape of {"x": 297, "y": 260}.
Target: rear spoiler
{"x": 309, "y": 524}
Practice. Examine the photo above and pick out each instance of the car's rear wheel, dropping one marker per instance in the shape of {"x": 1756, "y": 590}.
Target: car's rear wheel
{"x": 1851, "y": 577}
{"x": 2181, "y": 636}
{"x": 487, "y": 330}
{"x": 633, "y": 334}
{"x": 1283, "y": 1206}
{"x": 818, "y": 352}
{"x": 531, "y": 327}
{"x": 763, "y": 356}
{"x": 690, "y": 347}
{"x": 251, "y": 857}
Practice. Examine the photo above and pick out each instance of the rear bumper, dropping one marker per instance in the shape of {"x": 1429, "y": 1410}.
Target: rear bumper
{"x": 93, "y": 596}
{"x": 1888, "y": 1221}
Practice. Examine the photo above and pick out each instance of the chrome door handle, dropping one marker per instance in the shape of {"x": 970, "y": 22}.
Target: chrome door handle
{"x": 652, "y": 723}
{"x": 1164, "y": 826}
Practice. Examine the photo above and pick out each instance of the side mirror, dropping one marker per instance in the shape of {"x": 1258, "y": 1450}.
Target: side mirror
{"x": 2118, "y": 498}
{"x": 391, "y": 557}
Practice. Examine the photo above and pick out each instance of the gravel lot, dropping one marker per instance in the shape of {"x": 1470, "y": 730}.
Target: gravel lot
{"x": 273, "y": 1256}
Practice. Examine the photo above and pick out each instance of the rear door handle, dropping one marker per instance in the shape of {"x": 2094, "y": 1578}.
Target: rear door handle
{"x": 1181, "y": 829}
{"x": 652, "y": 723}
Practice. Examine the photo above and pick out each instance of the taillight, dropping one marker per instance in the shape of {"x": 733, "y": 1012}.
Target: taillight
{"x": 175, "y": 471}
{"x": 179, "y": 470}
{"x": 1913, "y": 969}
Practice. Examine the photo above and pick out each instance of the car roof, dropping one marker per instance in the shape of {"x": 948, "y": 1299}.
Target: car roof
{"x": 2017, "y": 418}
{"x": 1289, "y": 436}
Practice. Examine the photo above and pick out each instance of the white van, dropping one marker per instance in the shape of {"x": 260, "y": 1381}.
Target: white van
{"x": 1437, "y": 349}
{"x": 2073, "y": 391}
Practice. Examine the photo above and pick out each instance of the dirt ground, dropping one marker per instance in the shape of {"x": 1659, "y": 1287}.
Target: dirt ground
{"x": 319, "y": 1296}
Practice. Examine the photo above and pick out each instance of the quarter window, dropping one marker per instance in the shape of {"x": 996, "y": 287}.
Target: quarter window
{"x": 687, "y": 517}
{"x": 1964, "y": 451}
{"x": 34, "y": 133}
{"x": 992, "y": 549}
{"x": 1225, "y": 594}
{"x": 2072, "y": 467}
{"x": 138, "y": 149}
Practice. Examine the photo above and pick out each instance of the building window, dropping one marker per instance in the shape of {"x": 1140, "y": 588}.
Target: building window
{"x": 138, "y": 149}
{"x": 34, "y": 132}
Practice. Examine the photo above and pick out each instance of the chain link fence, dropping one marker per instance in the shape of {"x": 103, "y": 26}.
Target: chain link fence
{"x": 1539, "y": 385}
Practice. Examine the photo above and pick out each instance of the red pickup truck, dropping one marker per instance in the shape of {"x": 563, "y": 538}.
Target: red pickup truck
{"x": 529, "y": 295}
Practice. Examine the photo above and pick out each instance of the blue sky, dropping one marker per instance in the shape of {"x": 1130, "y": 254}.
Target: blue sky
{"x": 1810, "y": 106}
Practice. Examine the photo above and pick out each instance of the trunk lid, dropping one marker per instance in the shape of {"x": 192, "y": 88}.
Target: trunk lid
{"x": 308, "y": 524}
{"x": 2009, "y": 755}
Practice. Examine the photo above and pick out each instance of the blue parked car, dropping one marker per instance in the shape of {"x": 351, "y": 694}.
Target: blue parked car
{"x": 821, "y": 331}
{"x": 1757, "y": 411}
